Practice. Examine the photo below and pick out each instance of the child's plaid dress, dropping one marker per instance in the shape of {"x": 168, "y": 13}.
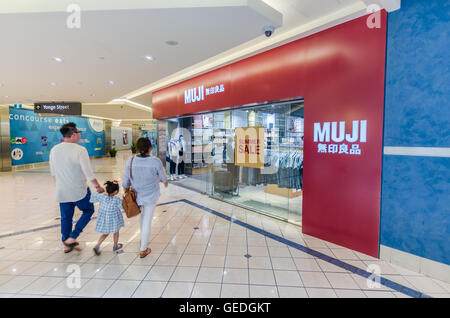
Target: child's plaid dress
{"x": 109, "y": 215}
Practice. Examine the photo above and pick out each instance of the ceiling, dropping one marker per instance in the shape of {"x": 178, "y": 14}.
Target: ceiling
{"x": 105, "y": 58}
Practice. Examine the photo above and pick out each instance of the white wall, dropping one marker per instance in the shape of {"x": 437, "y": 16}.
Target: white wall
{"x": 117, "y": 135}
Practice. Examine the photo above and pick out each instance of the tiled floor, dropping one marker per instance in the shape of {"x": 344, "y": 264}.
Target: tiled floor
{"x": 195, "y": 253}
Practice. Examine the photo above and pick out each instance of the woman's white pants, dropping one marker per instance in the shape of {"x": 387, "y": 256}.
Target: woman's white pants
{"x": 146, "y": 224}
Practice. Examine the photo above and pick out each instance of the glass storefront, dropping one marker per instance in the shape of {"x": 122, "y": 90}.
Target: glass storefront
{"x": 200, "y": 155}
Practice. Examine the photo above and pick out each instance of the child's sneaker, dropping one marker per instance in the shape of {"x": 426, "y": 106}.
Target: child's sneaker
{"x": 97, "y": 250}
{"x": 117, "y": 248}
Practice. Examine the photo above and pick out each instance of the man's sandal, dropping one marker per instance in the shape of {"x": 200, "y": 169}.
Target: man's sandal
{"x": 143, "y": 254}
{"x": 72, "y": 245}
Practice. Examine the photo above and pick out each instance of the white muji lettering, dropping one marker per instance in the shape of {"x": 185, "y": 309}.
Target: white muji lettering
{"x": 192, "y": 95}
{"x": 353, "y": 137}
{"x": 363, "y": 131}
{"x": 322, "y": 134}
{"x": 341, "y": 137}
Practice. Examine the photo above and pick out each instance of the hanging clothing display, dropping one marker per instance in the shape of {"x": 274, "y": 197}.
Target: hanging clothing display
{"x": 288, "y": 166}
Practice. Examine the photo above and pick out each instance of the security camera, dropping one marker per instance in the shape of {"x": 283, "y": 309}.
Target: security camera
{"x": 268, "y": 30}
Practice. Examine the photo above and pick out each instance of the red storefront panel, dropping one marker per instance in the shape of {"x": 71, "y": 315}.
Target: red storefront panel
{"x": 340, "y": 74}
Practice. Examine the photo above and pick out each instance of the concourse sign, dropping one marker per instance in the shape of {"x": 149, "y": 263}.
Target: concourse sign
{"x": 58, "y": 108}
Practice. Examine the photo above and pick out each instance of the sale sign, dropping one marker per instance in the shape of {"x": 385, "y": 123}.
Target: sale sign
{"x": 249, "y": 147}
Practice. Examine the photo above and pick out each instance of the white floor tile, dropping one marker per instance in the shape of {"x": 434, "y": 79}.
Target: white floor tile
{"x": 213, "y": 261}
{"x": 328, "y": 267}
{"x": 41, "y": 286}
{"x": 110, "y": 271}
{"x": 321, "y": 293}
{"x": 17, "y": 283}
{"x": 206, "y": 290}
{"x": 350, "y": 293}
{"x": 275, "y": 251}
{"x": 260, "y": 262}
{"x": 190, "y": 260}
{"x": 235, "y": 291}
{"x": 263, "y": 291}
{"x": 161, "y": 273}
{"x": 168, "y": 259}
{"x": 307, "y": 264}
{"x": 90, "y": 270}
{"x": 314, "y": 279}
{"x": 379, "y": 294}
{"x": 234, "y": 261}
{"x": 135, "y": 272}
{"x": 94, "y": 288}
{"x": 178, "y": 290}
{"x": 235, "y": 276}
{"x": 122, "y": 289}
{"x": 261, "y": 277}
{"x": 425, "y": 284}
{"x": 258, "y": 251}
{"x": 292, "y": 292}
{"x": 283, "y": 263}
{"x": 17, "y": 268}
{"x": 149, "y": 289}
{"x": 341, "y": 280}
{"x": 288, "y": 278}
{"x": 66, "y": 288}
{"x": 210, "y": 275}
{"x": 184, "y": 274}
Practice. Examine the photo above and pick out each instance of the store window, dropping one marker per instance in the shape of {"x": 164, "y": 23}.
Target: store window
{"x": 201, "y": 155}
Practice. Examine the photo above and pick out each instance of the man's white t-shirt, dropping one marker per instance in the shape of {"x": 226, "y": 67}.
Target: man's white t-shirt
{"x": 69, "y": 163}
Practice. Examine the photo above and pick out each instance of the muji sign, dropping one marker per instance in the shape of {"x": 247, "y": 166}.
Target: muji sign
{"x": 197, "y": 94}
{"x": 336, "y": 133}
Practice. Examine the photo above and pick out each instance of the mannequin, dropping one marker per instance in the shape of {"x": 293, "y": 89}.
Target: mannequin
{"x": 181, "y": 145}
{"x": 173, "y": 155}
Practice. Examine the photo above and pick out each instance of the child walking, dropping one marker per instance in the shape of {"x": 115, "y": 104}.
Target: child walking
{"x": 109, "y": 216}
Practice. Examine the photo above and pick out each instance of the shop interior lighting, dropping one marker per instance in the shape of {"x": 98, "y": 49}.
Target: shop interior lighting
{"x": 149, "y": 58}
{"x": 57, "y": 59}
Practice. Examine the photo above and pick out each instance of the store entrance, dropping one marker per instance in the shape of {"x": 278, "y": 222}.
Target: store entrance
{"x": 201, "y": 156}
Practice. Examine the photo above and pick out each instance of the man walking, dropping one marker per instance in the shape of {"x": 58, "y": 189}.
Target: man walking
{"x": 70, "y": 165}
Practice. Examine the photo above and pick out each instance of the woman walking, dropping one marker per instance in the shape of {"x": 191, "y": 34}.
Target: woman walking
{"x": 146, "y": 173}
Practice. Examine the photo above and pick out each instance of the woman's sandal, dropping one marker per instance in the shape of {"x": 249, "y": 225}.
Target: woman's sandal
{"x": 69, "y": 250}
{"x": 145, "y": 253}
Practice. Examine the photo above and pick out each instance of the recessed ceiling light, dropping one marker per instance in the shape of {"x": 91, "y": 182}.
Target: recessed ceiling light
{"x": 92, "y": 94}
{"x": 57, "y": 59}
{"x": 149, "y": 58}
{"x": 111, "y": 82}
{"x": 52, "y": 84}
{"x": 171, "y": 42}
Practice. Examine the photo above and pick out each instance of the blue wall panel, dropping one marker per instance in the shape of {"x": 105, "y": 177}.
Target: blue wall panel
{"x": 415, "y": 206}
{"x": 418, "y": 75}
